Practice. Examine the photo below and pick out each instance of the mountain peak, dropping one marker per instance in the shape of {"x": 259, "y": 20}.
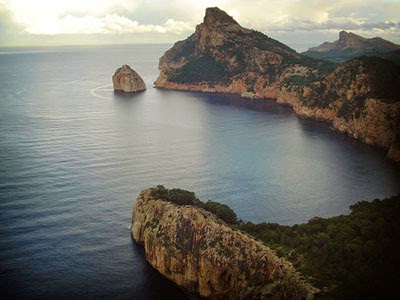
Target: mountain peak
{"x": 214, "y": 16}
{"x": 349, "y": 39}
{"x": 344, "y": 35}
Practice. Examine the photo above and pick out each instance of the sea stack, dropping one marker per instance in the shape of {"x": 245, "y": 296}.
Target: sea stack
{"x": 127, "y": 80}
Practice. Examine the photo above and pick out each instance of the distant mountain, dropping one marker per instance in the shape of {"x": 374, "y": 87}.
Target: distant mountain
{"x": 350, "y": 45}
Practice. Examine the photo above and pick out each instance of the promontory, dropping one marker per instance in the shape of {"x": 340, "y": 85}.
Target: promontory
{"x": 360, "y": 97}
{"x": 127, "y": 80}
{"x": 202, "y": 254}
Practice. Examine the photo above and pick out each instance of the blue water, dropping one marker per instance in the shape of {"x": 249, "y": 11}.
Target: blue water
{"x": 74, "y": 156}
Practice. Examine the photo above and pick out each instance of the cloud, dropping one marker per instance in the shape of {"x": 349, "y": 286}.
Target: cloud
{"x": 330, "y": 24}
{"x": 109, "y": 24}
{"x": 48, "y": 17}
{"x": 175, "y": 19}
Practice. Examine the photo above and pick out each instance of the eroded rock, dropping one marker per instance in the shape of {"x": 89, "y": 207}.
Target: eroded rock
{"x": 127, "y": 80}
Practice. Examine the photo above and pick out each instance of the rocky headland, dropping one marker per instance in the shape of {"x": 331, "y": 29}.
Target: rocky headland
{"x": 202, "y": 254}
{"x": 127, "y": 80}
{"x": 360, "y": 98}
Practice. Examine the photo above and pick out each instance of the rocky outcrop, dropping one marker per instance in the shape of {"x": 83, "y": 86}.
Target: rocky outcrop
{"x": 200, "y": 253}
{"x": 127, "y": 80}
{"x": 222, "y": 56}
{"x": 360, "y": 98}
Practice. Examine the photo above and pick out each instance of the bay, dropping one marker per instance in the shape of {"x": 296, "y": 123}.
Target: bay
{"x": 74, "y": 155}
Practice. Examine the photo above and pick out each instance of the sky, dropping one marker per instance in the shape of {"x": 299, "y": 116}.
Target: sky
{"x": 298, "y": 23}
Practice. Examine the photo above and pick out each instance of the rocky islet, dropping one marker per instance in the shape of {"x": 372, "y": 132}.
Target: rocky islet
{"x": 127, "y": 80}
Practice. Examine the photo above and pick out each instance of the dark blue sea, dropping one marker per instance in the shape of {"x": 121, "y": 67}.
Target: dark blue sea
{"x": 74, "y": 156}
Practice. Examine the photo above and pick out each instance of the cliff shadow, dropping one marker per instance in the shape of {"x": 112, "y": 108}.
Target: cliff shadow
{"x": 234, "y": 100}
{"x": 156, "y": 286}
{"x": 266, "y": 105}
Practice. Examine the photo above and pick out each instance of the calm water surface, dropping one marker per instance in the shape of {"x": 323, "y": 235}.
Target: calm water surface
{"x": 74, "y": 156}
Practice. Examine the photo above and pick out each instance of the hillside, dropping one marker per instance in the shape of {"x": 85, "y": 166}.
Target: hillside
{"x": 350, "y": 45}
{"x": 360, "y": 98}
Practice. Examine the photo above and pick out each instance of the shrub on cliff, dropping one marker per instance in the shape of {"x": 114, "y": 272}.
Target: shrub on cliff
{"x": 202, "y": 69}
{"x": 222, "y": 211}
{"x": 177, "y": 196}
{"x": 184, "y": 197}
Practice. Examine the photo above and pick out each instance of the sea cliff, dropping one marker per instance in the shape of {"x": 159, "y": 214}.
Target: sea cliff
{"x": 203, "y": 255}
{"x": 360, "y": 98}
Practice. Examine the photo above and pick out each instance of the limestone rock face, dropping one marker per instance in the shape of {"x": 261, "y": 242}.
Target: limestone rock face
{"x": 223, "y": 55}
{"x": 197, "y": 251}
{"x": 360, "y": 97}
{"x": 127, "y": 80}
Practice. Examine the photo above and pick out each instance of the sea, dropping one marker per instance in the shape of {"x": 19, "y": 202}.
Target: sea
{"x": 74, "y": 156}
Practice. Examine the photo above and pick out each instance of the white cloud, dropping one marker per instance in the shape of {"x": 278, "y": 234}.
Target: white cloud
{"x": 49, "y": 17}
{"x": 177, "y": 18}
{"x": 109, "y": 24}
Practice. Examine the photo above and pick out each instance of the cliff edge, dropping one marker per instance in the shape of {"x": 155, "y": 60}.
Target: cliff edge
{"x": 203, "y": 255}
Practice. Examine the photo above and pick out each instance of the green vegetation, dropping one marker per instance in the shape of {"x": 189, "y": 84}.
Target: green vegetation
{"x": 263, "y": 42}
{"x": 354, "y": 256}
{"x": 350, "y": 108}
{"x": 334, "y": 55}
{"x": 367, "y": 77}
{"x": 184, "y": 197}
{"x": 320, "y": 96}
{"x": 202, "y": 69}
{"x": 300, "y": 79}
{"x": 222, "y": 211}
{"x": 177, "y": 196}
{"x": 183, "y": 49}
{"x": 340, "y": 56}
{"x": 383, "y": 77}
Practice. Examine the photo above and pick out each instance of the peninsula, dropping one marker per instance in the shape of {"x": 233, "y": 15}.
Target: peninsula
{"x": 202, "y": 254}
{"x": 203, "y": 248}
{"x": 360, "y": 97}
